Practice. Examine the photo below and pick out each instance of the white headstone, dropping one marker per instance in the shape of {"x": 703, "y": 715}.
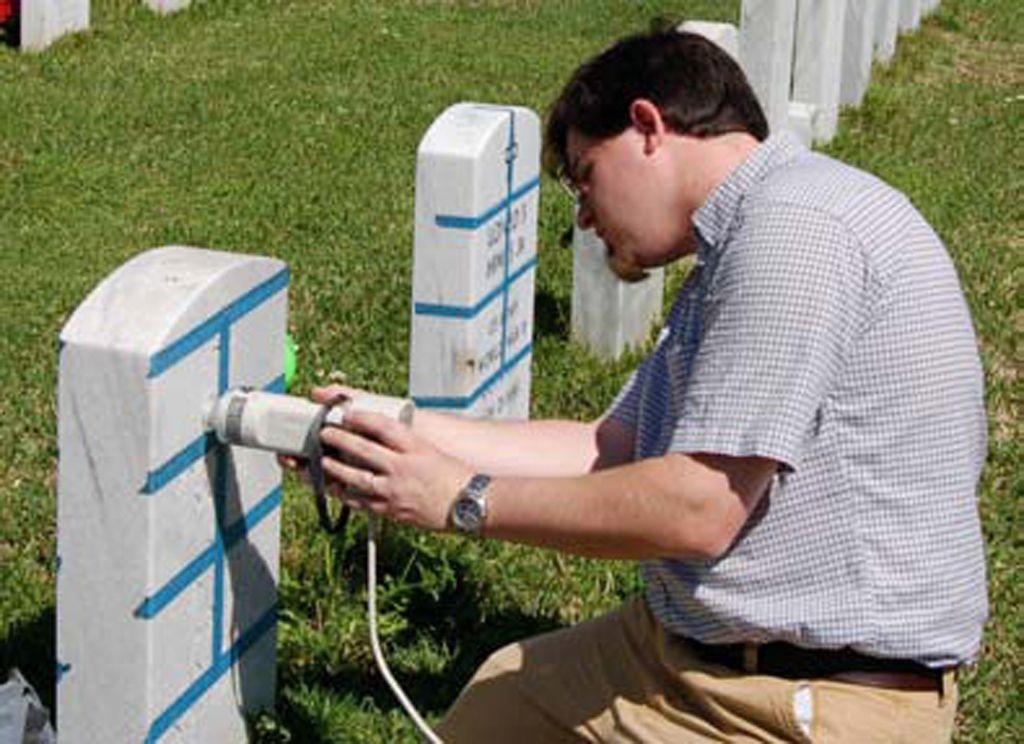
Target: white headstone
{"x": 858, "y": 49}
{"x": 801, "y": 121}
{"x": 766, "y": 54}
{"x": 167, "y": 6}
{"x": 609, "y": 315}
{"x": 167, "y": 542}
{"x": 929, "y": 6}
{"x": 910, "y": 15}
{"x": 887, "y": 28}
{"x": 474, "y": 260}
{"x": 44, "y": 21}
{"x": 725, "y": 35}
{"x": 817, "y": 62}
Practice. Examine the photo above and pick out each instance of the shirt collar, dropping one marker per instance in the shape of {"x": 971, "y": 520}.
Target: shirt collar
{"x": 715, "y": 217}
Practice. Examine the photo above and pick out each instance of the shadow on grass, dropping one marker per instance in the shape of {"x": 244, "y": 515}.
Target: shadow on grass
{"x": 551, "y": 315}
{"x": 31, "y": 647}
{"x": 457, "y": 617}
{"x": 10, "y": 32}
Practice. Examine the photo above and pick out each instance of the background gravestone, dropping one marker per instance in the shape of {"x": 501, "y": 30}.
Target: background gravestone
{"x": 474, "y": 258}
{"x": 767, "y": 30}
{"x": 44, "y": 21}
{"x": 887, "y": 29}
{"x": 910, "y": 14}
{"x": 167, "y": 542}
{"x": 858, "y": 49}
{"x": 817, "y": 62}
{"x": 167, "y": 6}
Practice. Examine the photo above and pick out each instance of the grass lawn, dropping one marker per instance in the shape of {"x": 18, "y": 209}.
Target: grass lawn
{"x": 289, "y": 128}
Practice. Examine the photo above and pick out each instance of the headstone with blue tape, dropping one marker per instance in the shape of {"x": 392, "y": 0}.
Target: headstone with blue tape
{"x": 474, "y": 259}
{"x": 167, "y": 541}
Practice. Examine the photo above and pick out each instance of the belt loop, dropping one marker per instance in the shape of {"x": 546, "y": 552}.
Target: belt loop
{"x": 750, "y": 658}
{"x": 946, "y": 682}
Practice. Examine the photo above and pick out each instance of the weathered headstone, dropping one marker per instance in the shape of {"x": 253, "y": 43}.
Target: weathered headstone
{"x": 44, "y": 21}
{"x": 887, "y": 28}
{"x": 910, "y": 15}
{"x": 817, "y": 62}
{"x": 766, "y": 54}
{"x": 475, "y": 255}
{"x": 609, "y": 315}
{"x": 858, "y": 49}
{"x": 167, "y": 6}
{"x": 167, "y": 542}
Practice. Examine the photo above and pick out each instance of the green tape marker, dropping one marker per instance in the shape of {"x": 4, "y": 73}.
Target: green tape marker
{"x": 291, "y": 361}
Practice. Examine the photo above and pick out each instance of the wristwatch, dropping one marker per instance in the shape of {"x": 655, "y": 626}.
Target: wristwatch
{"x": 469, "y": 510}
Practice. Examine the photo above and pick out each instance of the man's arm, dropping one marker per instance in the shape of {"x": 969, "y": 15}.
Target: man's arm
{"x": 676, "y": 505}
{"x": 543, "y": 448}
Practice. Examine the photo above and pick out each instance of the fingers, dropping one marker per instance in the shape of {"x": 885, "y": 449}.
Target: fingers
{"x": 331, "y": 392}
{"x": 360, "y": 489}
{"x": 354, "y": 446}
{"x": 391, "y": 433}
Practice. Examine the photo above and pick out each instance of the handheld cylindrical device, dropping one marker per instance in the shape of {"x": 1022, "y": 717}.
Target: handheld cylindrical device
{"x": 289, "y": 425}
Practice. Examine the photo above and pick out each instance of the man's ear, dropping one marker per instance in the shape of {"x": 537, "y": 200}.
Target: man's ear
{"x": 645, "y": 117}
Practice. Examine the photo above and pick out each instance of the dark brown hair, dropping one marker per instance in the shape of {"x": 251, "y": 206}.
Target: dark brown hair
{"x": 697, "y": 86}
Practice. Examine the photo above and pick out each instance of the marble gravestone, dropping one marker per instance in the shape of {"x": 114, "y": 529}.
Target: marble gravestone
{"x": 167, "y": 541}
{"x": 767, "y": 29}
{"x": 474, "y": 260}
{"x": 44, "y": 21}
{"x": 910, "y": 15}
{"x": 887, "y": 29}
{"x": 167, "y": 6}
{"x": 817, "y": 63}
{"x": 858, "y": 49}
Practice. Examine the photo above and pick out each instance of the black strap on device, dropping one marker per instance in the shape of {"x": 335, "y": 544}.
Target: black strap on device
{"x": 316, "y": 473}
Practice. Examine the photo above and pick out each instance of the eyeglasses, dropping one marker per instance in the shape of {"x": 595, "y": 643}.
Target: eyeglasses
{"x": 568, "y": 185}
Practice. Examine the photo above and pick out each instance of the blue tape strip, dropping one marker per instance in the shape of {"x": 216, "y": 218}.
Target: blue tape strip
{"x": 463, "y": 311}
{"x": 275, "y": 386}
{"x": 151, "y": 606}
{"x": 166, "y": 594}
{"x": 455, "y": 222}
{"x": 62, "y": 670}
{"x": 467, "y": 401}
{"x": 177, "y": 350}
{"x": 178, "y": 464}
{"x": 162, "y": 724}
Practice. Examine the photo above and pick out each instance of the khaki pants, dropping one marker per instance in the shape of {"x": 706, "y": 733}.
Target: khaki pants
{"x": 622, "y": 678}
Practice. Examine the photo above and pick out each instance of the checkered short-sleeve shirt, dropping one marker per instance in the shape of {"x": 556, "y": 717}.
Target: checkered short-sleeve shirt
{"x": 824, "y": 327}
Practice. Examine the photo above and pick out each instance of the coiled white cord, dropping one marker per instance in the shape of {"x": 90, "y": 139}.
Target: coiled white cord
{"x": 372, "y": 532}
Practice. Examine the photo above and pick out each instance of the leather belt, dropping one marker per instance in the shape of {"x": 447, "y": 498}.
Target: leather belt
{"x": 785, "y": 660}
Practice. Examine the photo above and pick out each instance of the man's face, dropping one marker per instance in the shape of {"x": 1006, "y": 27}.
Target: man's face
{"x": 626, "y": 195}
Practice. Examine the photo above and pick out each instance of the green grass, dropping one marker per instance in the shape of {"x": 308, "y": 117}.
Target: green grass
{"x": 290, "y": 129}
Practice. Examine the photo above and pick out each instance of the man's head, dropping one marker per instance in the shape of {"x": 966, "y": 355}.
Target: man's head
{"x": 608, "y": 130}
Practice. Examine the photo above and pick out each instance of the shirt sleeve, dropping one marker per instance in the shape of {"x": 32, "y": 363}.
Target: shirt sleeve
{"x": 779, "y": 312}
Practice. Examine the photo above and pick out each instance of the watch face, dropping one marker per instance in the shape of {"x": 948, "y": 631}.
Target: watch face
{"x": 467, "y": 514}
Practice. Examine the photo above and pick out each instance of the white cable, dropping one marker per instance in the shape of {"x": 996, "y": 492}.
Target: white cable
{"x": 372, "y": 530}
